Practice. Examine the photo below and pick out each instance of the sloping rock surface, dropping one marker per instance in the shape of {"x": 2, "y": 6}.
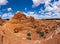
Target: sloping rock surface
{"x": 28, "y": 30}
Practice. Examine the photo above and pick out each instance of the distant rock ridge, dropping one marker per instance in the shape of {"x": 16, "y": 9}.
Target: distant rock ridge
{"x": 19, "y": 16}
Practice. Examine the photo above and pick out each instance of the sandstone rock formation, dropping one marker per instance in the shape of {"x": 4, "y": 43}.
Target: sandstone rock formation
{"x": 28, "y": 30}
{"x": 2, "y": 21}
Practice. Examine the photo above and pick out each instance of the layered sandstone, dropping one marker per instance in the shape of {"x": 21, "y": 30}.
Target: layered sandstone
{"x": 28, "y": 30}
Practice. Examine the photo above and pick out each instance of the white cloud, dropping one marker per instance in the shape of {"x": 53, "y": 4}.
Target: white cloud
{"x": 3, "y": 2}
{"x": 47, "y": 2}
{"x": 25, "y": 8}
{"x": 57, "y": 15}
{"x": 55, "y": 6}
{"x": 33, "y": 14}
{"x": 9, "y": 9}
{"x": 48, "y": 8}
{"x": 37, "y": 2}
{"x": 41, "y": 12}
{"x": 52, "y": 9}
{"x": 46, "y": 15}
{"x": 7, "y": 15}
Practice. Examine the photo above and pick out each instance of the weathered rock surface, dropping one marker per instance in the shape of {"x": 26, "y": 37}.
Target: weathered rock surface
{"x": 2, "y": 21}
{"x": 22, "y": 30}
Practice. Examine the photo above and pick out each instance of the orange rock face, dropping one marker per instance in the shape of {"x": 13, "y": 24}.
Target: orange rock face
{"x": 1, "y": 21}
{"x": 22, "y": 30}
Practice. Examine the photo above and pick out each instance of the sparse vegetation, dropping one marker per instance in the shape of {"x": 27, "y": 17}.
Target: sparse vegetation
{"x": 46, "y": 30}
{"x": 40, "y": 33}
{"x": 16, "y": 31}
{"x": 28, "y": 34}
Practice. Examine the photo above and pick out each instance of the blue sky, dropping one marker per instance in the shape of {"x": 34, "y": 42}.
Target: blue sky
{"x": 21, "y": 5}
{"x": 35, "y": 8}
